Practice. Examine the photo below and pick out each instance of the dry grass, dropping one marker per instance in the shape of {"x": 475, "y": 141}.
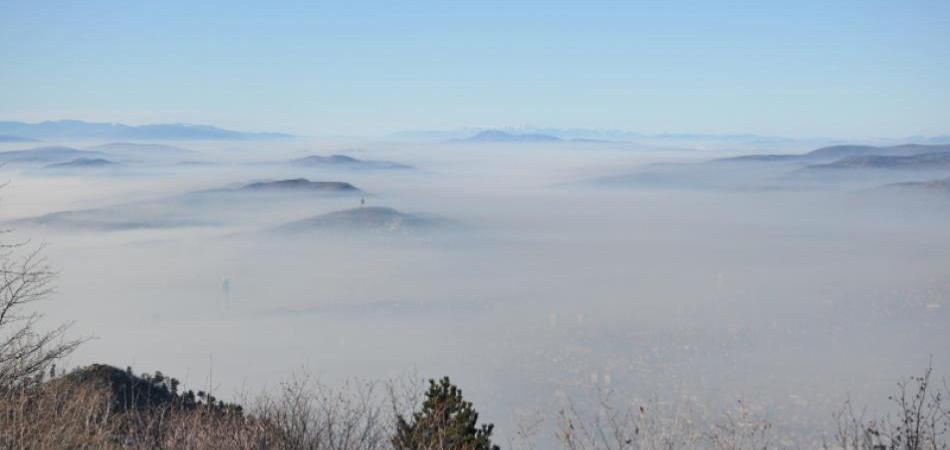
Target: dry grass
{"x": 655, "y": 425}
{"x": 68, "y": 415}
{"x": 83, "y": 412}
{"x": 305, "y": 414}
{"x": 921, "y": 422}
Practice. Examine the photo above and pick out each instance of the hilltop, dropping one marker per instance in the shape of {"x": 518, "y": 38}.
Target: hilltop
{"x": 300, "y": 184}
{"x": 347, "y": 162}
{"x": 80, "y": 163}
{"x": 374, "y": 218}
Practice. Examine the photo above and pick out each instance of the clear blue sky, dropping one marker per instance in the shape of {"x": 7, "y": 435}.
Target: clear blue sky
{"x": 798, "y": 68}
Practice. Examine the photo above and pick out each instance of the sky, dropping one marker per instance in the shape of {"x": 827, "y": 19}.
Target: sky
{"x": 844, "y": 69}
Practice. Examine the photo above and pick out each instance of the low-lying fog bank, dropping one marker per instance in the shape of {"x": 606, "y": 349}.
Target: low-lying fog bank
{"x": 533, "y": 283}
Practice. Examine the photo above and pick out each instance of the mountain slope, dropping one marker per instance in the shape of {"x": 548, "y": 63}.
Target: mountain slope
{"x": 374, "y": 218}
{"x": 300, "y": 184}
{"x": 205, "y": 208}
{"x": 347, "y": 162}
{"x": 109, "y": 219}
{"x": 8, "y": 138}
{"x": 49, "y": 154}
{"x": 842, "y": 151}
{"x": 917, "y": 161}
{"x": 81, "y": 163}
{"x": 941, "y": 185}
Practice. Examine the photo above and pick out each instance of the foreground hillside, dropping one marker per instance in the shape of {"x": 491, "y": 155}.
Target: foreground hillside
{"x": 104, "y": 407}
{"x": 101, "y": 406}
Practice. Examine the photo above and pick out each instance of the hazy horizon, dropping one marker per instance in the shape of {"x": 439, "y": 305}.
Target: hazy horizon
{"x": 466, "y": 131}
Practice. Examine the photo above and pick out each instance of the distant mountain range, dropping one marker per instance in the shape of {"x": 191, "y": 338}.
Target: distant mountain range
{"x": 860, "y": 154}
{"x": 842, "y": 151}
{"x": 730, "y": 141}
{"x": 597, "y": 136}
{"x": 504, "y": 136}
{"x": 71, "y": 129}
{"x": 841, "y": 165}
{"x": 919, "y": 161}
{"x": 578, "y": 134}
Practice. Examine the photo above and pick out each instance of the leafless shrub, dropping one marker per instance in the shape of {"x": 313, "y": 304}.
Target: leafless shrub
{"x": 741, "y": 429}
{"x": 528, "y": 427}
{"x": 303, "y": 415}
{"x": 65, "y": 414}
{"x": 66, "y": 417}
{"x": 642, "y": 425}
{"x": 26, "y": 353}
{"x": 306, "y": 414}
{"x": 922, "y": 421}
{"x": 656, "y": 425}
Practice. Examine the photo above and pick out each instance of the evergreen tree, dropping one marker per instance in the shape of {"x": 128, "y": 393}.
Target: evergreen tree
{"x": 446, "y": 422}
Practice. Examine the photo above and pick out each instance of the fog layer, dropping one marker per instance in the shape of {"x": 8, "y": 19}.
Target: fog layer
{"x": 533, "y": 281}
